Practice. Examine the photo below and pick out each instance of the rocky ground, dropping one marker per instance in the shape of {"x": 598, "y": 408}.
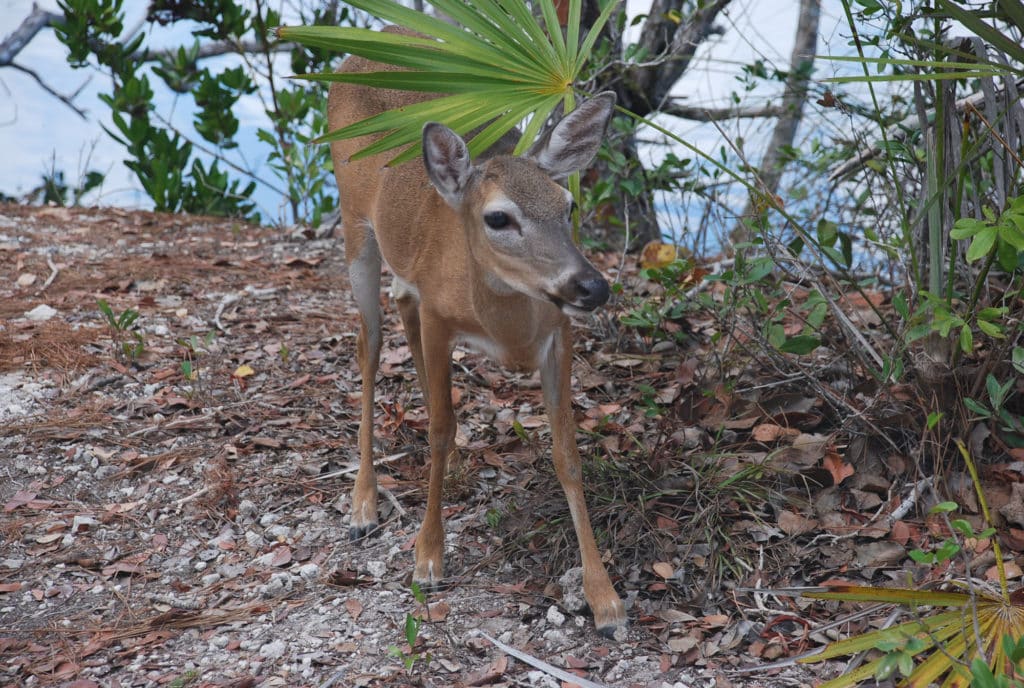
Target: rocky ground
{"x": 175, "y": 488}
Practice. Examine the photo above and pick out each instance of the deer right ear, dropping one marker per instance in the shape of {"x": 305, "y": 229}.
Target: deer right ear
{"x": 446, "y": 158}
{"x": 573, "y": 142}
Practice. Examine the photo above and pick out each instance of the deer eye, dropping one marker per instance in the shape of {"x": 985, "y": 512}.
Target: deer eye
{"x": 497, "y": 219}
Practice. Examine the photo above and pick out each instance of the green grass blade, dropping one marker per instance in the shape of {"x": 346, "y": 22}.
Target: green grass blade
{"x": 489, "y": 22}
{"x": 540, "y": 116}
{"x": 930, "y": 76}
{"x": 908, "y": 596}
{"x": 450, "y": 82}
{"x": 852, "y": 678}
{"x": 983, "y": 30}
{"x": 572, "y": 30}
{"x": 554, "y": 31}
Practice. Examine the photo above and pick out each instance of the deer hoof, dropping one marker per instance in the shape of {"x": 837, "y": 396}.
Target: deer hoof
{"x": 612, "y": 622}
{"x": 364, "y": 531}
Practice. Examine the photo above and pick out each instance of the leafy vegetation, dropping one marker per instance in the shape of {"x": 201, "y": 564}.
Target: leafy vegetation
{"x": 889, "y": 266}
{"x": 202, "y": 171}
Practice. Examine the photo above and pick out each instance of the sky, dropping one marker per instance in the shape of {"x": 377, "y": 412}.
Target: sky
{"x": 39, "y": 133}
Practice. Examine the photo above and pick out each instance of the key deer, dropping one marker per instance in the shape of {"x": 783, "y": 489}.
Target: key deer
{"x": 482, "y": 254}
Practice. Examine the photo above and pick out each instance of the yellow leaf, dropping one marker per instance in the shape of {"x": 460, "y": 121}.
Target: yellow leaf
{"x": 243, "y": 371}
{"x": 658, "y": 255}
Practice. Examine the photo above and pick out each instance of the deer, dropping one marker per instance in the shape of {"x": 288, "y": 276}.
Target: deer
{"x": 481, "y": 254}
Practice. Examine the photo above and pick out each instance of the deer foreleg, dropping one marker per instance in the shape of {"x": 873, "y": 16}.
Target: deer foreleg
{"x": 609, "y": 611}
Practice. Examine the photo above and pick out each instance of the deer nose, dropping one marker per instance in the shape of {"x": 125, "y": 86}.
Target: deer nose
{"x": 592, "y": 292}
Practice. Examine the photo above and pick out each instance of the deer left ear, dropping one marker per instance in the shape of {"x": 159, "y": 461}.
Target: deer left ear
{"x": 446, "y": 158}
{"x": 572, "y": 143}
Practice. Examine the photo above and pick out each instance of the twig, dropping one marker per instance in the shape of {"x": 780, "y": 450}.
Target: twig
{"x": 899, "y": 131}
{"x": 548, "y": 669}
{"x": 54, "y": 270}
{"x": 391, "y": 498}
{"x": 39, "y": 80}
{"x": 224, "y": 303}
{"x": 178, "y": 503}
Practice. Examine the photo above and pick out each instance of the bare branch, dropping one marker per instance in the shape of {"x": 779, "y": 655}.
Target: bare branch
{"x": 62, "y": 98}
{"x": 661, "y": 36}
{"x": 217, "y": 49}
{"x": 707, "y": 114}
{"x": 35, "y": 22}
{"x": 900, "y": 130}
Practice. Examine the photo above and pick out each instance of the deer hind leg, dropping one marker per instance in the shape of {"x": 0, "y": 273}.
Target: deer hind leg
{"x": 408, "y": 301}
{"x": 436, "y": 341}
{"x": 555, "y": 368}
{"x": 364, "y": 274}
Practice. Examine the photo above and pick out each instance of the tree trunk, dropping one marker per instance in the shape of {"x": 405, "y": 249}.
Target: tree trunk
{"x": 643, "y": 89}
{"x": 776, "y": 156}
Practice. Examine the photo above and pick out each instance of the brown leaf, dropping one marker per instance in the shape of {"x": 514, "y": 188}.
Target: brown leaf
{"x": 769, "y": 432}
{"x": 489, "y": 674}
{"x": 663, "y": 569}
{"x": 10, "y": 587}
{"x": 282, "y": 556}
{"x": 900, "y": 533}
{"x": 354, "y": 607}
{"x": 436, "y": 611}
{"x": 1013, "y": 571}
{"x": 835, "y": 465}
{"x": 27, "y": 499}
{"x": 795, "y": 524}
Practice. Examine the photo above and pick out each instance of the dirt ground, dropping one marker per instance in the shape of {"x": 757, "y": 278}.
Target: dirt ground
{"x": 175, "y": 491}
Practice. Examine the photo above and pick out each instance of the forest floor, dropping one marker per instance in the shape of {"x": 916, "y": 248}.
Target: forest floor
{"x": 175, "y": 492}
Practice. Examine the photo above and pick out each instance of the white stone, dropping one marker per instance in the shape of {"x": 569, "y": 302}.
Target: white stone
{"x": 41, "y": 312}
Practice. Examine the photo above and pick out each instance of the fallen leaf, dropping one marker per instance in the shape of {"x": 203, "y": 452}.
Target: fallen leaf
{"x": 1012, "y": 571}
{"x": 769, "y": 432}
{"x": 436, "y": 611}
{"x": 795, "y": 524}
{"x": 835, "y": 465}
{"x": 489, "y": 674}
{"x": 663, "y": 569}
{"x": 354, "y": 607}
{"x": 282, "y": 556}
{"x": 10, "y": 587}
{"x": 244, "y": 370}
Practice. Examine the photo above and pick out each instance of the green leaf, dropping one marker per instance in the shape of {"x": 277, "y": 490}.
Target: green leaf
{"x": 967, "y": 227}
{"x": 899, "y": 304}
{"x": 801, "y": 345}
{"x": 976, "y": 408}
{"x": 994, "y": 330}
{"x": 982, "y": 244}
{"x": 966, "y": 339}
{"x": 501, "y": 69}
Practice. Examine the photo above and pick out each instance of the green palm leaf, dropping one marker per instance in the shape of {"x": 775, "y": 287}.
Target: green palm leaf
{"x": 501, "y": 67}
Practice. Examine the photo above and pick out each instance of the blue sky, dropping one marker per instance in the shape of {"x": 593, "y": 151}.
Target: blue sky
{"x": 37, "y": 132}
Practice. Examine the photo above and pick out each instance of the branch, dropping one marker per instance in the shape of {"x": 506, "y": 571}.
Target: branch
{"x": 62, "y": 98}
{"x": 35, "y": 22}
{"x": 900, "y": 130}
{"x": 655, "y": 81}
{"x": 216, "y": 49}
{"x": 706, "y": 114}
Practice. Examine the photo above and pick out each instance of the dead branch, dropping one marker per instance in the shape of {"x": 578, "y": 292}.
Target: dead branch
{"x": 708, "y": 114}
{"x": 36, "y": 21}
{"x": 910, "y": 124}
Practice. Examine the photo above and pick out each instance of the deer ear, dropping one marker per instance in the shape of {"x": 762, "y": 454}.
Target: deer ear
{"x": 572, "y": 143}
{"x": 446, "y": 158}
